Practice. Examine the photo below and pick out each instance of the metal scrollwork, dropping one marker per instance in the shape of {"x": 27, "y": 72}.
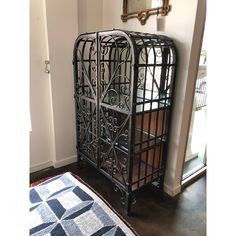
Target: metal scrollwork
{"x": 158, "y": 55}
{"x": 124, "y": 89}
{"x": 115, "y": 84}
{"x": 102, "y": 68}
{"x": 104, "y": 49}
{"x": 86, "y": 81}
{"x": 124, "y": 84}
{"x": 87, "y": 137}
{"x": 114, "y": 131}
{"x": 123, "y": 195}
{"x": 140, "y": 83}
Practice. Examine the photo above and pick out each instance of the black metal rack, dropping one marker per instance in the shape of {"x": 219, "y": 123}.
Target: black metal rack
{"x": 124, "y": 84}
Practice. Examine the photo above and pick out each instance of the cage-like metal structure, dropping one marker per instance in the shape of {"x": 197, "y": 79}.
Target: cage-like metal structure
{"x": 124, "y": 83}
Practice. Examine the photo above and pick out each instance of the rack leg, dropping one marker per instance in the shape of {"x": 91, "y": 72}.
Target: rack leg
{"x": 128, "y": 202}
{"x": 81, "y": 161}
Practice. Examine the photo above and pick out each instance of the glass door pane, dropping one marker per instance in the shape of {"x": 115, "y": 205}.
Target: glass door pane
{"x": 195, "y": 157}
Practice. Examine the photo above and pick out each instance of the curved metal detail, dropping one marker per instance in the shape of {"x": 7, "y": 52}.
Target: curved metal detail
{"x": 86, "y": 124}
{"x": 86, "y": 83}
{"x": 114, "y": 137}
{"x": 123, "y": 198}
{"x": 116, "y": 86}
{"x": 123, "y": 91}
{"x": 123, "y": 195}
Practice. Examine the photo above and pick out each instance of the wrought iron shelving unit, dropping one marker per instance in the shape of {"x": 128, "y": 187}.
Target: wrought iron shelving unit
{"x": 124, "y": 83}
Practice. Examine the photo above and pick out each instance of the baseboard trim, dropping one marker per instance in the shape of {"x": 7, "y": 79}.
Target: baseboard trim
{"x": 57, "y": 164}
{"x": 170, "y": 191}
{"x": 65, "y": 161}
{"x": 41, "y": 166}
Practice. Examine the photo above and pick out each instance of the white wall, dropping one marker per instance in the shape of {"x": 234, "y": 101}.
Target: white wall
{"x": 54, "y": 28}
{"x": 188, "y": 65}
{"x": 42, "y": 134}
{"x": 90, "y": 15}
{"x": 62, "y": 24}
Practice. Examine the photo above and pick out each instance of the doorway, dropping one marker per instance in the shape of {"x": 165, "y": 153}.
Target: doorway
{"x": 196, "y": 155}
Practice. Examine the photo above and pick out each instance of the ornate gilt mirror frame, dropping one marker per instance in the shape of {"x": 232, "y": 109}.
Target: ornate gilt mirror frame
{"x": 143, "y": 14}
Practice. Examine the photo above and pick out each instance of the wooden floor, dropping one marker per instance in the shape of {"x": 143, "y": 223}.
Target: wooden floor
{"x": 154, "y": 213}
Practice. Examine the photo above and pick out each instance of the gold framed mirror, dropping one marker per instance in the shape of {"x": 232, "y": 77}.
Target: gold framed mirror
{"x": 142, "y": 9}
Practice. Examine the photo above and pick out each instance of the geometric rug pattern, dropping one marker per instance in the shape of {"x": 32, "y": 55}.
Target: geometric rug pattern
{"x": 62, "y": 205}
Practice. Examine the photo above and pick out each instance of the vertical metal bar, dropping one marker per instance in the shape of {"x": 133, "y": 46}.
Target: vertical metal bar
{"x": 75, "y": 70}
{"x": 98, "y": 81}
{"x": 128, "y": 202}
{"x": 133, "y": 95}
{"x": 140, "y": 148}
{"x": 103, "y": 63}
{"x": 102, "y": 87}
{"x": 153, "y": 78}
{"x": 82, "y": 83}
{"x": 157, "y": 122}
{"x": 111, "y": 64}
{"x": 143, "y": 109}
{"x": 125, "y": 69}
{"x": 156, "y": 128}
{"x": 82, "y": 101}
{"x": 163, "y": 69}
{"x": 90, "y": 103}
{"x": 144, "y": 97}
{"x": 149, "y": 126}
{"x": 120, "y": 70}
{"x": 115, "y": 64}
{"x": 162, "y": 150}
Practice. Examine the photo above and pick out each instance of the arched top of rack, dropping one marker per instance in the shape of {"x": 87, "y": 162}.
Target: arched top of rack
{"x": 137, "y": 38}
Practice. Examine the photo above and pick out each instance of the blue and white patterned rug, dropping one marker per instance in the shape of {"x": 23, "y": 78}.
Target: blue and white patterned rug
{"x": 64, "y": 206}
